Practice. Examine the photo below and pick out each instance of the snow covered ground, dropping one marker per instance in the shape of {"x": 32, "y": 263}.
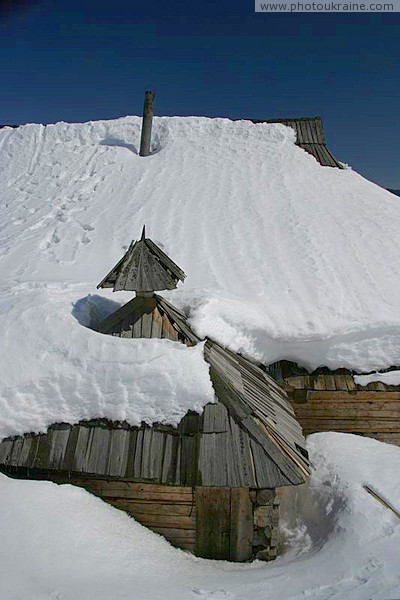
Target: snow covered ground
{"x": 285, "y": 259}
{"x": 61, "y": 543}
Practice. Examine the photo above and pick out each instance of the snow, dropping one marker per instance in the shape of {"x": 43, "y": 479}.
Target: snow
{"x": 61, "y": 543}
{"x": 284, "y": 259}
{"x": 389, "y": 378}
{"x": 64, "y": 372}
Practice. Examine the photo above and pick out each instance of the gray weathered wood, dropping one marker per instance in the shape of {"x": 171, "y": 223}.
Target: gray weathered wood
{"x": 241, "y": 528}
{"x": 118, "y": 454}
{"x": 58, "y": 446}
{"x": 213, "y": 522}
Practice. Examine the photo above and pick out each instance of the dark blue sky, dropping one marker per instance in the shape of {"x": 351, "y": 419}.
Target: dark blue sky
{"x": 79, "y": 60}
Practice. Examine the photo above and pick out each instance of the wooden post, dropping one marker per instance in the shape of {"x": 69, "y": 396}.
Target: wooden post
{"x": 147, "y": 123}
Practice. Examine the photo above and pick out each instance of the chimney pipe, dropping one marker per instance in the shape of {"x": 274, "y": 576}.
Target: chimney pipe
{"x": 147, "y": 123}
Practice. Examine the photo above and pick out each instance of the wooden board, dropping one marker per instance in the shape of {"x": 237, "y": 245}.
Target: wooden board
{"x": 168, "y": 510}
{"x": 356, "y": 396}
{"x": 353, "y": 411}
{"x": 241, "y": 525}
{"x": 156, "y": 508}
{"x": 213, "y": 522}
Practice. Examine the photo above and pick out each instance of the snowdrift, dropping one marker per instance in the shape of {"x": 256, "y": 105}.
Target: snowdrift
{"x": 61, "y": 543}
{"x": 285, "y": 259}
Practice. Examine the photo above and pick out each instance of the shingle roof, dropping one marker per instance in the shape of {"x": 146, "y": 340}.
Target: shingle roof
{"x": 144, "y": 267}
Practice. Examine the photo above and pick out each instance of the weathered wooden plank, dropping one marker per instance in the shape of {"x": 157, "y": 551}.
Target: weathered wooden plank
{"x": 58, "y": 446}
{"x": 267, "y": 473}
{"x": 147, "y": 321}
{"x": 41, "y": 459}
{"x": 118, "y": 453}
{"x": 164, "y": 521}
{"x": 5, "y": 451}
{"x": 206, "y": 460}
{"x": 133, "y": 436}
{"x": 146, "y": 496}
{"x": 16, "y": 450}
{"x": 168, "y": 331}
{"x": 157, "y": 324}
{"x": 361, "y": 395}
{"x": 137, "y": 328}
{"x": 341, "y": 381}
{"x": 146, "y": 465}
{"x": 137, "y": 488}
{"x": 152, "y": 508}
{"x": 319, "y": 382}
{"x": 241, "y": 534}
{"x": 175, "y": 535}
{"x": 286, "y": 466}
{"x": 157, "y": 449}
{"x": 25, "y": 451}
{"x": 97, "y": 460}
{"x": 187, "y": 545}
{"x": 351, "y": 426}
{"x": 213, "y": 522}
{"x": 297, "y": 383}
{"x": 171, "y": 459}
{"x": 331, "y": 405}
{"x": 351, "y": 411}
{"x": 69, "y": 456}
{"x": 189, "y": 459}
{"x": 137, "y": 461}
{"x": 351, "y": 385}
{"x": 81, "y": 448}
{"x": 241, "y": 456}
{"x": 214, "y": 446}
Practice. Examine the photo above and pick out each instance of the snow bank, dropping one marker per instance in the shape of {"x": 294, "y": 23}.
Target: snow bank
{"x": 285, "y": 259}
{"x": 61, "y": 543}
{"x": 63, "y": 372}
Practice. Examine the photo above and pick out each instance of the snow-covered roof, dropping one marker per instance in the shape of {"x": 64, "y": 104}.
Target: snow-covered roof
{"x": 286, "y": 259}
{"x": 248, "y": 436}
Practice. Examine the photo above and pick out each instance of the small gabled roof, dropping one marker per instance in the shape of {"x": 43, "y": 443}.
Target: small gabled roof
{"x": 143, "y": 268}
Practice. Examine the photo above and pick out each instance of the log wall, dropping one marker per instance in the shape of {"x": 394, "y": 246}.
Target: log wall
{"x": 234, "y": 524}
{"x": 335, "y": 403}
{"x": 167, "y": 510}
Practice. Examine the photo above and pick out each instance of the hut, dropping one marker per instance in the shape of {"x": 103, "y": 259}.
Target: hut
{"x": 209, "y": 485}
{"x": 326, "y": 400}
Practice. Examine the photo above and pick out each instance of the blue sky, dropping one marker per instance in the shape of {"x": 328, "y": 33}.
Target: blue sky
{"x": 92, "y": 59}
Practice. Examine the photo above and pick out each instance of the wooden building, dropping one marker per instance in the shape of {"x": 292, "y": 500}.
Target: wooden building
{"x": 209, "y": 485}
{"x": 331, "y": 401}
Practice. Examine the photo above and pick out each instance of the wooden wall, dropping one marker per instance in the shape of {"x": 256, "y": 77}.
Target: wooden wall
{"x": 168, "y": 510}
{"x": 212, "y": 522}
{"x": 333, "y": 402}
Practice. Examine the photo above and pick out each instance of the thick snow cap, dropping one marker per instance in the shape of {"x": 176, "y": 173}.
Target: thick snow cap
{"x": 285, "y": 259}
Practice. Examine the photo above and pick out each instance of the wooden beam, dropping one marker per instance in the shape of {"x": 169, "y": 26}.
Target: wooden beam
{"x": 241, "y": 525}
